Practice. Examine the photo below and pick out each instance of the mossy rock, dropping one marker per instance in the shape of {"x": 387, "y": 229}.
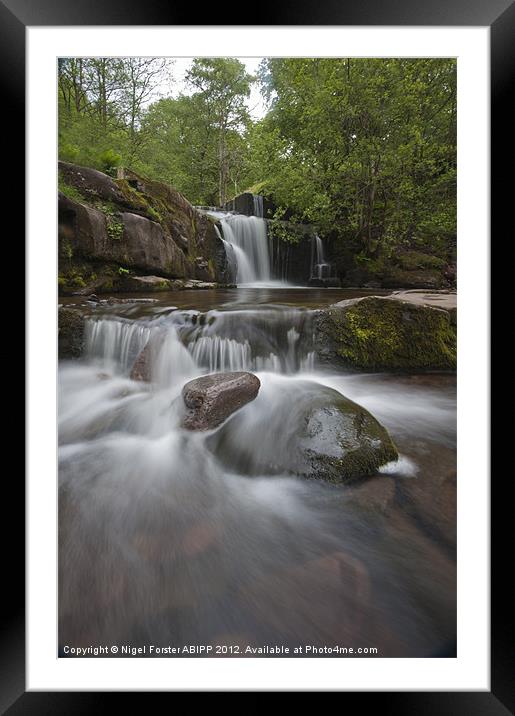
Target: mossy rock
{"x": 70, "y": 331}
{"x": 144, "y": 283}
{"x": 324, "y": 435}
{"x": 340, "y": 441}
{"x": 382, "y": 333}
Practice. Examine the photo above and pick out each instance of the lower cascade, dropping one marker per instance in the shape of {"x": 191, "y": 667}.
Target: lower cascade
{"x": 271, "y": 340}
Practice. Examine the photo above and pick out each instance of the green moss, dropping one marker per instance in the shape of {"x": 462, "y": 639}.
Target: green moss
{"x": 413, "y": 260}
{"x": 155, "y": 215}
{"x": 132, "y": 196}
{"x": 114, "y": 228}
{"x": 377, "y": 334}
{"x": 67, "y": 250}
{"x": 70, "y": 280}
{"x": 154, "y": 206}
{"x": 114, "y": 225}
{"x": 257, "y": 188}
{"x": 285, "y": 231}
{"x": 70, "y": 191}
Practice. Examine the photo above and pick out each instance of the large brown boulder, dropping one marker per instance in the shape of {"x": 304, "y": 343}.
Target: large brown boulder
{"x": 146, "y": 246}
{"x": 131, "y": 224}
{"x": 119, "y": 238}
{"x": 212, "y": 398}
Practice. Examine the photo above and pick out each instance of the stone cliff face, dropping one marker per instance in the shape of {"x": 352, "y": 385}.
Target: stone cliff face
{"x": 112, "y": 229}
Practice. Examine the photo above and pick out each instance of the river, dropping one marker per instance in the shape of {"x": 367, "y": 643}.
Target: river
{"x": 164, "y": 540}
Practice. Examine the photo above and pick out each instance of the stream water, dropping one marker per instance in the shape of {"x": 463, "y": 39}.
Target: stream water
{"x": 162, "y": 541}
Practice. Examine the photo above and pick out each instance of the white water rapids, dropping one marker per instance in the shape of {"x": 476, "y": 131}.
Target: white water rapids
{"x": 161, "y": 541}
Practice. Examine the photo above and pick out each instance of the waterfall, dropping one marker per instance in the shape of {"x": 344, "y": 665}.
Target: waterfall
{"x": 185, "y": 343}
{"x": 115, "y": 341}
{"x": 219, "y": 354}
{"x": 247, "y": 236}
{"x": 320, "y": 268}
{"x": 258, "y": 205}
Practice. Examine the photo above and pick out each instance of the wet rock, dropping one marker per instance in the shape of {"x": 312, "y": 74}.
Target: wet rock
{"x": 386, "y": 333}
{"x": 445, "y": 299}
{"x": 146, "y": 283}
{"x": 333, "y": 282}
{"x": 113, "y": 301}
{"x": 341, "y": 441}
{"x": 194, "y": 284}
{"x": 431, "y": 501}
{"x": 212, "y": 398}
{"x": 70, "y": 328}
{"x": 203, "y": 270}
{"x": 142, "y": 368}
{"x": 323, "y": 436}
{"x": 375, "y": 495}
{"x": 324, "y": 600}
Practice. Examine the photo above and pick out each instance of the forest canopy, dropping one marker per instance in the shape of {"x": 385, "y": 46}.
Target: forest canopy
{"x": 363, "y": 148}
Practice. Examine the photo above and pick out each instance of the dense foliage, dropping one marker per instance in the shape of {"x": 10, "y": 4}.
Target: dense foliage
{"x": 364, "y": 148}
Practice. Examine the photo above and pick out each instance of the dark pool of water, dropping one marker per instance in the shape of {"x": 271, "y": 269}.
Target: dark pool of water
{"x": 204, "y": 300}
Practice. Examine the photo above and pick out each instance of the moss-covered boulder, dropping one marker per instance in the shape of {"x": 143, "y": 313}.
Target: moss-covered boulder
{"x": 131, "y": 224}
{"x": 385, "y": 333}
{"x": 324, "y": 435}
{"x": 70, "y": 332}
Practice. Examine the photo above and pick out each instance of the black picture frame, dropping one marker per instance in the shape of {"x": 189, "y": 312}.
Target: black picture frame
{"x": 15, "y": 16}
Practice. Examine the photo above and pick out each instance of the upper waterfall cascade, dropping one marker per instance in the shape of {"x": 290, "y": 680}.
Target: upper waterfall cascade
{"x": 246, "y": 243}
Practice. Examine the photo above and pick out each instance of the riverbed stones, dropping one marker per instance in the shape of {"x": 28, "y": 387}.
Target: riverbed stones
{"x": 211, "y": 399}
{"x": 70, "y": 330}
{"x": 386, "y": 333}
{"x": 322, "y": 435}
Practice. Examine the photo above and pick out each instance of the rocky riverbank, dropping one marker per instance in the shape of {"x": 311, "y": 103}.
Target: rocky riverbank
{"x": 131, "y": 234}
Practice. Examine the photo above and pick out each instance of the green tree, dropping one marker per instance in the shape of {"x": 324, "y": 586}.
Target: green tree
{"x": 222, "y": 86}
{"x": 366, "y": 148}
